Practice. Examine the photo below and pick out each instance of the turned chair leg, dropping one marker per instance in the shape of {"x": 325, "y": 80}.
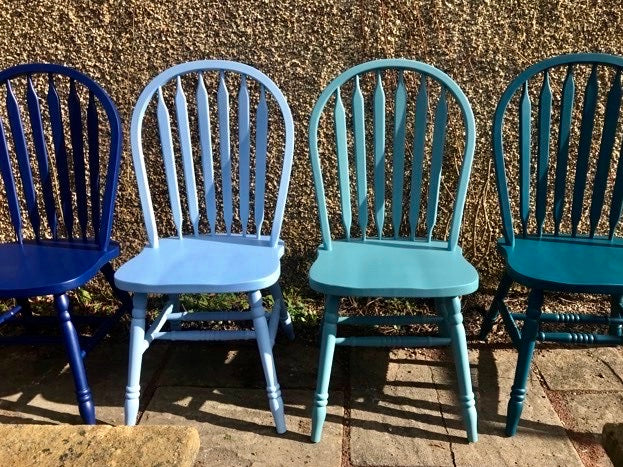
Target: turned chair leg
{"x": 74, "y": 354}
{"x": 616, "y": 310}
{"x": 284, "y": 318}
{"x": 524, "y": 360}
{"x": 327, "y": 348}
{"x": 137, "y": 342}
{"x": 265, "y": 348}
{"x": 451, "y": 308}
{"x": 494, "y": 310}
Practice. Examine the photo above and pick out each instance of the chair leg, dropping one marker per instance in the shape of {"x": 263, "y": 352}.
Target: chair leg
{"x": 616, "y": 310}
{"x": 137, "y": 339}
{"x": 74, "y": 354}
{"x": 443, "y": 326}
{"x": 268, "y": 363}
{"x": 175, "y": 299}
{"x": 494, "y": 310}
{"x": 284, "y": 318}
{"x": 524, "y": 360}
{"x": 325, "y": 362}
{"x": 123, "y": 296}
{"x": 451, "y": 308}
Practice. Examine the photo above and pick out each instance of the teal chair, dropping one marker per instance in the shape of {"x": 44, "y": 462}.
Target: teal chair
{"x": 564, "y": 241}
{"x": 403, "y": 257}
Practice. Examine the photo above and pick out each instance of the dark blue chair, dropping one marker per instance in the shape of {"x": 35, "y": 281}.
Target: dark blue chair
{"x": 62, "y": 209}
{"x": 559, "y": 238}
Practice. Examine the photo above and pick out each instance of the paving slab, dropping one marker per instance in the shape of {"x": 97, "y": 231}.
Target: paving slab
{"x": 581, "y": 368}
{"x": 236, "y": 426}
{"x": 85, "y": 446}
{"x": 51, "y": 399}
{"x": 238, "y": 365}
{"x": 396, "y": 418}
{"x": 541, "y": 438}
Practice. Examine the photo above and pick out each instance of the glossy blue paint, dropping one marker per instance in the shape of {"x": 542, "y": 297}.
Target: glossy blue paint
{"x": 54, "y": 262}
{"x": 551, "y": 259}
{"x": 215, "y": 261}
{"x": 392, "y": 265}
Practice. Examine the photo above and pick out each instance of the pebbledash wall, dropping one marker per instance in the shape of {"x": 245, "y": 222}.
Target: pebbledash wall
{"x": 302, "y": 45}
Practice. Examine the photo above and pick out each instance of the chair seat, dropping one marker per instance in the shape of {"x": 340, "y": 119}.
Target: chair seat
{"x": 47, "y": 267}
{"x": 203, "y": 264}
{"x": 392, "y": 268}
{"x": 565, "y": 264}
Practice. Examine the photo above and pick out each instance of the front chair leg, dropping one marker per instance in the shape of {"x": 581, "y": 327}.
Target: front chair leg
{"x": 524, "y": 360}
{"x": 284, "y": 318}
{"x": 74, "y": 354}
{"x": 451, "y": 309}
{"x": 137, "y": 343}
{"x": 265, "y": 348}
{"x": 494, "y": 310}
{"x": 325, "y": 362}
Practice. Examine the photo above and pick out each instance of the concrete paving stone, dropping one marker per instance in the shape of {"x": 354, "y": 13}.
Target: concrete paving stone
{"x": 85, "y": 446}
{"x": 581, "y": 368}
{"x": 238, "y": 365}
{"x": 52, "y": 398}
{"x": 395, "y": 414}
{"x": 236, "y": 426}
{"x": 541, "y": 438}
{"x": 613, "y": 442}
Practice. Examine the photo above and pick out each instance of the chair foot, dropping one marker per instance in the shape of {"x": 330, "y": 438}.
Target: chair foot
{"x": 494, "y": 310}
{"x": 273, "y": 389}
{"x": 137, "y": 339}
{"x": 524, "y": 361}
{"x": 74, "y": 354}
{"x": 285, "y": 322}
{"x": 325, "y": 362}
{"x": 451, "y": 309}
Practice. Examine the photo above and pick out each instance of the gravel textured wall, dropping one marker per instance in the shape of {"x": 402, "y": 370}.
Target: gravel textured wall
{"x": 302, "y": 45}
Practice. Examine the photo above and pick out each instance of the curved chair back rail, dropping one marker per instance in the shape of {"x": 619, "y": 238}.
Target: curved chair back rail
{"x": 533, "y": 191}
{"x": 401, "y": 144}
{"x": 154, "y": 91}
{"x": 92, "y": 211}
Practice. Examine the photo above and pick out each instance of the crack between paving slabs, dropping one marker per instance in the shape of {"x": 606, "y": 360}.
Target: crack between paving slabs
{"x": 443, "y": 417}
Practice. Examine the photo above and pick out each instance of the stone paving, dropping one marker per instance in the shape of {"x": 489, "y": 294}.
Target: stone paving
{"x": 387, "y": 407}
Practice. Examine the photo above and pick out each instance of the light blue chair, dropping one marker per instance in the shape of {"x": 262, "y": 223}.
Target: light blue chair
{"x": 240, "y": 259}
{"x": 562, "y": 241}
{"x": 409, "y": 256}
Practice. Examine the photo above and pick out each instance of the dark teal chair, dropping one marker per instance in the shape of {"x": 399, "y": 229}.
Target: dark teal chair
{"x": 564, "y": 239}
{"x": 407, "y": 253}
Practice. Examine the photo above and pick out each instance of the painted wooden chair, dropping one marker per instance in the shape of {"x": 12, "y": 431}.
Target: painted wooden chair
{"x": 405, "y": 258}
{"x": 563, "y": 240}
{"x": 215, "y": 262}
{"x": 62, "y": 215}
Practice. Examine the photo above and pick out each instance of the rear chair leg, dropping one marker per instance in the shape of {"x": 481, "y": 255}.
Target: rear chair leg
{"x": 524, "y": 360}
{"x": 451, "y": 307}
{"x": 616, "y": 311}
{"x": 137, "y": 342}
{"x": 284, "y": 318}
{"x": 494, "y": 310}
{"x": 268, "y": 363}
{"x": 74, "y": 354}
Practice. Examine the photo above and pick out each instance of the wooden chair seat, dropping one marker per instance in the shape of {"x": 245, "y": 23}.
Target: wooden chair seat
{"x": 205, "y": 264}
{"x": 392, "y": 268}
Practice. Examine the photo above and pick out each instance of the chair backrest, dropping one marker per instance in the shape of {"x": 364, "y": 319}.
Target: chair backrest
{"x": 249, "y": 79}
{"x": 74, "y": 182}
{"x": 407, "y": 116}
{"x": 545, "y": 185}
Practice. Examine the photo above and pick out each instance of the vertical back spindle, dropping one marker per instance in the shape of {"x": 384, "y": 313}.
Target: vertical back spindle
{"x": 94, "y": 163}
{"x": 616, "y": 207}
{"x": 359, "y": 130}
{"x": 244, "y": 141}
{"x": 584, "y": 149}
{"x": 9, "y": 185}
{"x": 400, "y": 117}
{"x": 77, "y": 145}
{"x": 342, "y": 162}
{"x": 166, "y": 142}
{"x": 379, "y": 154}
{"x": 187, "y": 155}
{"x": 545, "y": 120}
{"x": 224, "y": 143}
{"x": 261, "y": 149}
{"x": 205, "y": 137}
{"x": 419, "y": 144}
{"x": 524, "y": 158}
{"x": 562, "y": 157}
{"x": 439, "y": 136}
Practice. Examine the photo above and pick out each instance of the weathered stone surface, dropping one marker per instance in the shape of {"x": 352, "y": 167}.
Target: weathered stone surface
{"x": 612, "y": 440}
{"x": 45, "y": 445}
{"x": 395, "y": 414}
{"x": 236, "y": 426}
{"x": 238, "y": 365}
{"x": 581, "y": 368}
